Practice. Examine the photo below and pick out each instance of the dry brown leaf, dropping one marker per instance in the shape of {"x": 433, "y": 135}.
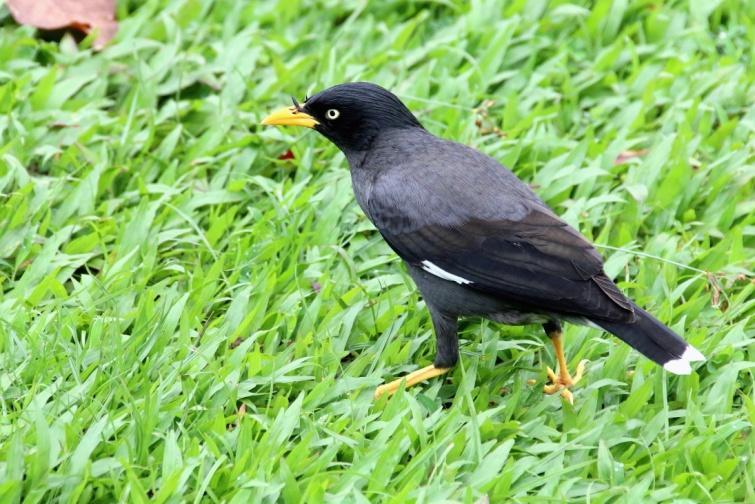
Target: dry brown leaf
{"x": 82, "y": 15}
{"x": 625, "y": 156}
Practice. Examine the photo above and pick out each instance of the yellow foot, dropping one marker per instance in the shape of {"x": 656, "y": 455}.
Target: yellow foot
{"x": 563, "y": 381}
{"x": 411, "y": 379}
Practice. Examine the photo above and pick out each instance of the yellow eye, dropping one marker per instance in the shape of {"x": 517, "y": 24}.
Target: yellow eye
{"x": 332, "y": 114}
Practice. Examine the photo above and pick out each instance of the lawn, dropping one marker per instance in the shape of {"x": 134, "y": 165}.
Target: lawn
{"x": 194, "y": 308}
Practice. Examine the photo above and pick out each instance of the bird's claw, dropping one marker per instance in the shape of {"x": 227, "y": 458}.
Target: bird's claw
{"x": 563, "y": 381}
{"x": 409, "y": 380}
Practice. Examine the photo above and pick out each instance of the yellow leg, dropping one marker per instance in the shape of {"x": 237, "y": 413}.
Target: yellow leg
{"x": 563, "y": 380}
{"x": 412, "y": 378}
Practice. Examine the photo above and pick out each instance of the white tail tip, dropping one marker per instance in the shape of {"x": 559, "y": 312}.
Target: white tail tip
{"x": 692, "y": 354}
{"x": 681, "y": 366}
{"x": 678, "y": 366}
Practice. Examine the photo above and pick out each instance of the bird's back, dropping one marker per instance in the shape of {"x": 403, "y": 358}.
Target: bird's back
{"x": 438, "y": 181}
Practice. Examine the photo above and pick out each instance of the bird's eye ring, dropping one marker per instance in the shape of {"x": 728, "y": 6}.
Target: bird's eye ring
{"x": 332, "y": 114}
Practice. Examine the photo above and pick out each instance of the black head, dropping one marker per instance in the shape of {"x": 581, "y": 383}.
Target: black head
{"x": 349, "y": 115}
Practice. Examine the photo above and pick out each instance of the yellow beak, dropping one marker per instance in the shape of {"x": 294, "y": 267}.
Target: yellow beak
{"x": 290, "y": 116}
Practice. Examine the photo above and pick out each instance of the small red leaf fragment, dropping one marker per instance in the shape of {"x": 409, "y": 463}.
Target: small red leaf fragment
{"x": 625, "y": 156}
{"x": 287, "y": 155}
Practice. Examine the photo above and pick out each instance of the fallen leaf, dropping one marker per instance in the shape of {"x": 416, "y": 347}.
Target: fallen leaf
{"x": 625, "y": 156}
{"x": 83, "y": 15}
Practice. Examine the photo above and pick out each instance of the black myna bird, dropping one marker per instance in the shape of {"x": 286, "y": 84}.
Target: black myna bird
{"x": 476, "y": 240}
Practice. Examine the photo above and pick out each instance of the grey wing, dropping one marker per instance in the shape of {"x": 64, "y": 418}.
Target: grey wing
{"x": 500, "y": 241}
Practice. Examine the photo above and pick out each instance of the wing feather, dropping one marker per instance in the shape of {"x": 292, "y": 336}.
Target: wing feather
{"x": 536, "y": 260}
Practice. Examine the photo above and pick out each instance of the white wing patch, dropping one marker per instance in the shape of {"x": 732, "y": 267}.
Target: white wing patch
{"x": 441, "y": 273}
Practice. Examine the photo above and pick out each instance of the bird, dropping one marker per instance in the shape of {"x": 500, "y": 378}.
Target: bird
{"x": 476, "y": 240}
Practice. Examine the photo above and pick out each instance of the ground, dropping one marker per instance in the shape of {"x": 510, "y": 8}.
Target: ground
{"x": 194, "y": 309}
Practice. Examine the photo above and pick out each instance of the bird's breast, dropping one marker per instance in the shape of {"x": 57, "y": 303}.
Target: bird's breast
{"x": 362, "y": 182}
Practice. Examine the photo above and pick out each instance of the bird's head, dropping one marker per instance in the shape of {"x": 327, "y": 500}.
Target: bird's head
{"x": 349, "y": 115}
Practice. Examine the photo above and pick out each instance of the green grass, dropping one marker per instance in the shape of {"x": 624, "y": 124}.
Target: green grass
{"x": 187, "y": 318}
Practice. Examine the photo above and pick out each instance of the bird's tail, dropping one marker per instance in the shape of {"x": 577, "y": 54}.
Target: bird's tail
{"x": 655, "y": 341}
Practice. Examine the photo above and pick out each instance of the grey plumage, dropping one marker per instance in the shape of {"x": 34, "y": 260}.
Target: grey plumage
{"x": 477, "y": 240}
